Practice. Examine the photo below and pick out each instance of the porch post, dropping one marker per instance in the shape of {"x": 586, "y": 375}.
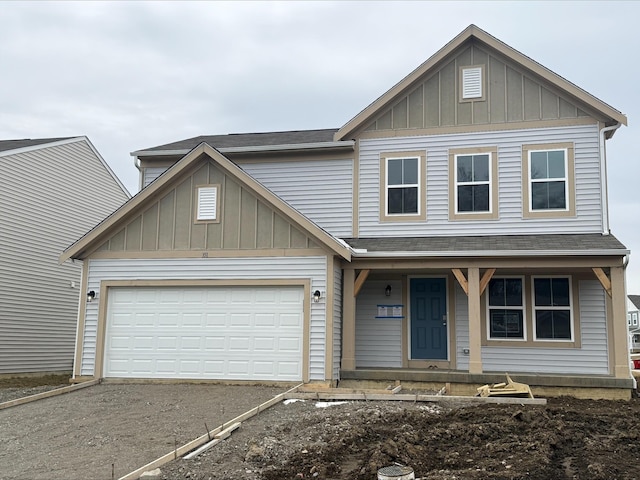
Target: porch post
{"x": 619, "y": 324}
{"x": 348, "y": 321}
{"x": 475, "y": 342}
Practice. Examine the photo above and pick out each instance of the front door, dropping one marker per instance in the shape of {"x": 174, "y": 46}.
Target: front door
{"x": 428, "y": 299}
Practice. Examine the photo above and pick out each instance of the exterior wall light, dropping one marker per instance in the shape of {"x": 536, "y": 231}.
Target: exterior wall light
{"x": 316, "y": 296}
{"x": 91, "y": 295}
{"x": 387, "y": 291}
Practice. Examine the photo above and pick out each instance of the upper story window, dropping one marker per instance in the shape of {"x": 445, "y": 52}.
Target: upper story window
{"x": 505, "y": 306}
{"x": 207, "y": 203}
{"x": 552, "y": 308}
{"x": 548, "y": 185}
{"x": 634, "y": 319}
{"x": 472, "y": 83}
{"x": 473, "y": 184}
{"x": 402, "y": 185}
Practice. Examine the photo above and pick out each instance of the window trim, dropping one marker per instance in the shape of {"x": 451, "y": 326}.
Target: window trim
{"x": 483, "y": 83}
{"x": 534, "y": 309}
{"x": 492, "y": 214}
{"x": 421, "y": 155}
{"x": 527, "y": 210}
{"x": 196, "y": 203}
{"x": 523, "y": 308}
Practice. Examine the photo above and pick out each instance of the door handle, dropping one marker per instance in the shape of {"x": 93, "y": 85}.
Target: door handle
{"x": 444, "y": 319}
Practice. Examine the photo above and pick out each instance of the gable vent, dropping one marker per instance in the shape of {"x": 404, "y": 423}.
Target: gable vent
{"x": 207, "y": 203}
{"x": 472, "y": 82}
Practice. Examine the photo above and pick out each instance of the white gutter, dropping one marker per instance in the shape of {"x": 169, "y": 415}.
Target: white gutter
{"x": 361, "y": 253}
{"x": 250, "y": 149}
{"x": 606, "y": 230}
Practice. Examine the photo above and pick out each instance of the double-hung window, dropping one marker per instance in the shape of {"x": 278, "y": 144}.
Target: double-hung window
{"x": 505, "y": 306}
{"x": 402, "y": 186}
{"x": 548, "y": 184}
{"x": 473, "y": 183}
{"x": 552, "y": 308}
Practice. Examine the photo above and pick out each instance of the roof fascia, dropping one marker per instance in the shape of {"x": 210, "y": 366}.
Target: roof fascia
{"x": 97, "y": 234}
{"x": 366, "y": 115}
{"x": 348, "y": 144}
{"x": 40, "y": 146}
{"x": 362, "y": 253}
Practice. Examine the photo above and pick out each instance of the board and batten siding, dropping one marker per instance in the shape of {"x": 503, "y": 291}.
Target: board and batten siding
{"x": 249, "y": 268}
{"x": 49, "y": 197}
{"x": 378, "y": 340}
{"x": 322, "y": 190}
{"x": 509, "y": 143}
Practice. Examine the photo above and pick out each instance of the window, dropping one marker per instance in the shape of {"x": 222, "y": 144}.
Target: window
{"x": 472, "y": 83}
{"x": 473, "y": 183}
{"x": 634, "y": 319}
{"x": 552, "y": 308}
{"x": 506, "y": 309}
{"x": 207, "y": 203}
{"x": 548, "y": 180}
{"x": 402, "y": 177}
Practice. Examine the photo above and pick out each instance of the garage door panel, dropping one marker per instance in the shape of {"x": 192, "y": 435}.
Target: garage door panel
{"x": 214, "y": 332}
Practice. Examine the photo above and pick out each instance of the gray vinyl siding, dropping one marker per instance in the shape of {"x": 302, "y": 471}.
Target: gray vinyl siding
{"x": 588, "y": 217}
{"x": 320, "y": 189}
{"x": 591, "y": 358}
{"x": 378, "y": 340}
{"x": 337, "y": 321}
{"x": 260, "y": 268}
{"x": 49, "y": 197}
{"x": 151, "y": 173}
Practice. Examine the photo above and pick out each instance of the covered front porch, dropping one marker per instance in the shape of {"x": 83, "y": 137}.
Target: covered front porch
{"x": 420, "y": 317}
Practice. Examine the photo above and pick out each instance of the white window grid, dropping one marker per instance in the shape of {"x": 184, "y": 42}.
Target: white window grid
{"x": 523, "y": 307}
{"x": 488, "y": 182}
{"x": 404, "y": 185}
{"x": 565, "y": 179}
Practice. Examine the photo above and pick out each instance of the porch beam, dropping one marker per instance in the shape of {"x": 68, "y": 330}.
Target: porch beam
{"x": 475, "y": 329}
{"x": 486, "y": 278}
{"x": 360, "y": 279}
{"x": 604, "y": 280}
{"x": 462, "y": 280}
{"x": 349, "y": 322}
{"x": 619, "y": 324}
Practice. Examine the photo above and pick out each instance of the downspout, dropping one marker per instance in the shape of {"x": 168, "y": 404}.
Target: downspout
{"x": 603, "y": 178}
{"x": 136, "y": 163}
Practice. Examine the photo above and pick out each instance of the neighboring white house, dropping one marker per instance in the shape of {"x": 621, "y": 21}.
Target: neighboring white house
{"x": 52, "y": 191}
{"x": 633, "y": 322}
{"x": 455, "y": 229}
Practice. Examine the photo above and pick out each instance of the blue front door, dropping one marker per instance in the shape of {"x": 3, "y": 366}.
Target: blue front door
{"x": 428, "y": 299}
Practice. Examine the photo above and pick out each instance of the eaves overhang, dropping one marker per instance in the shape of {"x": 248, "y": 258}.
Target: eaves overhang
{"x": 360, "y": 253}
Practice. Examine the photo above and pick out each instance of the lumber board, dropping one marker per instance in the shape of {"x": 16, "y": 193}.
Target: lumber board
{"x": 48, "y": 394}
{"x": 408, "y": 397}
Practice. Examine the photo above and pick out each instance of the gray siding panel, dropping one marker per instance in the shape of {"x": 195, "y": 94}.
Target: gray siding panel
{"x": 587, "y": 173}
{"x": 313, "y": 268}
{"x": 321, "y": 190}
{"x": 378, "y": 340}
{"x": 49, "y": 197}
{"x": 151, "y": 173}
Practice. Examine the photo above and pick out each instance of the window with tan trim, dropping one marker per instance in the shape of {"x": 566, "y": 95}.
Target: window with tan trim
{"x": 548, "y": 180}
{"x": 402, "y": 186}
{"x": 552, "y": 308}
{"x": 207, "y": 204}
{"x": 506, "y": 309}
{"x": 473, "y": 183}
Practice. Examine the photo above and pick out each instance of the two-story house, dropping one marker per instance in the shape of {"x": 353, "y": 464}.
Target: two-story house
{"x": 455, "y": 229}
{"x": 633, "y": 323}
{"x": 52, "y": 190}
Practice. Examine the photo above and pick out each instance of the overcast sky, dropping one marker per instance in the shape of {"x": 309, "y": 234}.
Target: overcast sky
{"x": 131, "y": 75}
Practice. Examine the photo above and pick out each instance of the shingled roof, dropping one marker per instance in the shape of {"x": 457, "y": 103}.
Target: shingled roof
{"x": 635, "y": 299}
{"x": 493, "y": 244}
{"x": 6, "y": 145}
{"x": 235, "y": 140}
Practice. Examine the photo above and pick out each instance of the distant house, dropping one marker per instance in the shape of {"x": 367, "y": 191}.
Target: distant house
{"x": 455, "y": 229}
{"x": 633, "y": 322}
{"x": 52, "y": 191}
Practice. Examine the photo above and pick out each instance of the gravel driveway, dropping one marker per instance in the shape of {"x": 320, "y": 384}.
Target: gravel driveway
{"x": 106, "y": 431}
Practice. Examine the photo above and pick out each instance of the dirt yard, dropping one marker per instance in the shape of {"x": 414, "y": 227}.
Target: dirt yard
{"x": 82, "y": 434}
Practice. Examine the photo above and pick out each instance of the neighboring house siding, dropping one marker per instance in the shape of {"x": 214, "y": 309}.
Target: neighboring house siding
{"x": 337, "y": 320}
{"x": 150, "y": 174}
{"x": 590, "y": 358}
{"x": 378, "y": 340}
{"x": 313, "y": 268}
{"x": 320, "y": 189}
{"x": 49, "y": 197}
{"x": 588, "y": 217}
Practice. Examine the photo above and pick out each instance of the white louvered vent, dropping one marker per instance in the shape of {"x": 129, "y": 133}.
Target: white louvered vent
{"x": 207, "y": 203}
{"x": 472, "y": 82}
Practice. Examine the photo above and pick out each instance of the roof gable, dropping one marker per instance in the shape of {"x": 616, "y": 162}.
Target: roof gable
{"x": 523, "y": 90}
{"x": 161, "y": 216}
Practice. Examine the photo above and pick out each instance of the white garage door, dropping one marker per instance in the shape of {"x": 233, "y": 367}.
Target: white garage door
{"x": 233, "y": 333}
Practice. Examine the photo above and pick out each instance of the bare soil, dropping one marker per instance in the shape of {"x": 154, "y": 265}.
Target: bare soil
{"x": 106, "y": 431}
